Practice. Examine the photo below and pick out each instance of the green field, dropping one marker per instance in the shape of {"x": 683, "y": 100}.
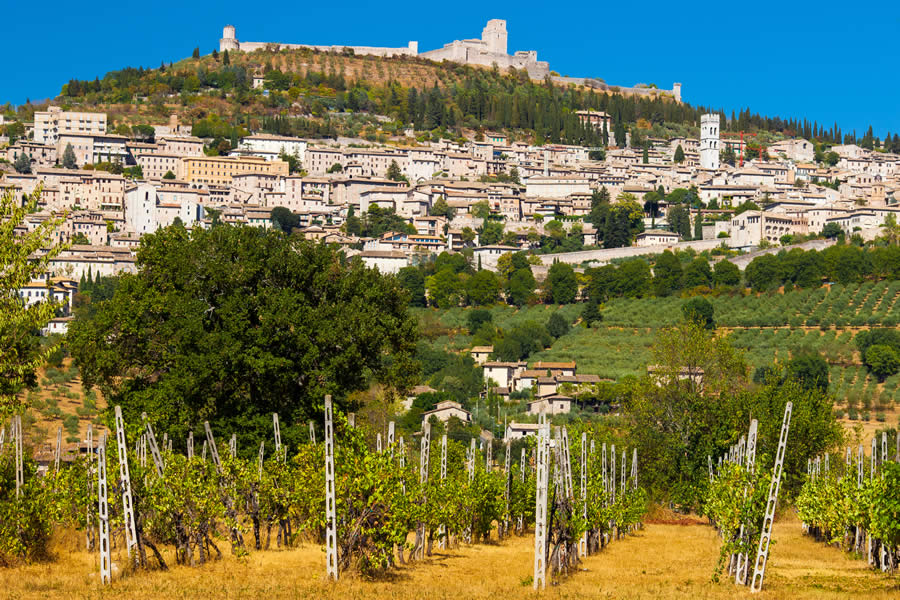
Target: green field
{"x": 767, "y": 327}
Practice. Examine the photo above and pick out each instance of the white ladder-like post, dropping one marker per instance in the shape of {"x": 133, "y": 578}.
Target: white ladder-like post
{"x": 103, "y": 513}
{"x": 765, "y": 536}
{"x": 58, "y": 448}
{"x": 127, "y": 504}
{"x": 20, "y": 470}
{"x": 330, "y": 496}
{"x": 540, "y": 510}
{"x": 442, "y": 531}
{"x": 190, "y": 445}
{"x": 582, "y": 544}
{"x": 154, "y": 449}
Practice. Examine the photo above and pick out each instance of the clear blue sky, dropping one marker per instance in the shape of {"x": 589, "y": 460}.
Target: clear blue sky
{"x": 826, "y": 60}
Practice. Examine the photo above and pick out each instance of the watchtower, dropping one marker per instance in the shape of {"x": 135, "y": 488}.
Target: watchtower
{"x": 494, "y": 36}
{"x": 709, "y": 141}
{"x": 228, "y": 41}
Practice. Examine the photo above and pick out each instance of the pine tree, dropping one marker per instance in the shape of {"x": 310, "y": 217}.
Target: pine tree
{"x": 226, "y": 60}
{"x": 196, "y": 53}
{"x": 698, "y": 225}
{"x": 679, "y": 154}
{"x": 68, "y": 161}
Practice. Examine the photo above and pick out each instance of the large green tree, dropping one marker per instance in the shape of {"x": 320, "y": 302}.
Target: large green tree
{"x": 24, "y": 257}
{"x": 561, "y": 285}
{"x": 232, "y": 324}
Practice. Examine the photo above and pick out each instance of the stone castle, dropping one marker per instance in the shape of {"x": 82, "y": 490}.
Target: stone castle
{"x": 490, "y": 50}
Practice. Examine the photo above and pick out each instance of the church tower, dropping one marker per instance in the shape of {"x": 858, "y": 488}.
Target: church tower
{"x": 709, "y": 141}
{"x": 494, "y": 36}
{"x": 228, "y": 41}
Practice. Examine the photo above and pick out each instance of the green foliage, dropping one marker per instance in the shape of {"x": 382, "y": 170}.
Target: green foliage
{"x": 699, "y": 310}
{"x": 68, "y": 158}
{"x": 558, "y": 325}
{"x": 883, "y": 361}
{"x": 20, "y": 351}
{"x": 809, "y": 369}
{"x": 561, "y": 285}
{"x": 236, "y": 338}
{"x": 283, "y": 219}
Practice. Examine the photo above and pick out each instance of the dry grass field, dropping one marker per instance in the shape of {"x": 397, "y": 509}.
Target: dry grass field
{"x": 662, "y": 561}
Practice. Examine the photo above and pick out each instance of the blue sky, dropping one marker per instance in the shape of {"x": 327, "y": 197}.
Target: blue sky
{"x": 826, "y": 61}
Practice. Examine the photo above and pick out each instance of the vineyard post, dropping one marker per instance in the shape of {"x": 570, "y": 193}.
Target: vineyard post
{"x": 154, "y": 449}
{"x": 58, "y": 448}
{"x": 605, "y": 473}
{"x": 540, "y": 509}
{"x": 378, "y": 443}
{"x": 522, "y": 480}
{"x": 765, "y": 536}
{"x": 442, "y": 535}
{"x": 401, "y": 447}
{"x": 424, "y": 461}
{"x": 624, "y": 463}
{"x": 390, "y": 439}
{"x": 634, "y": 469}
{"x": 2, "y": 437}
{"x": 203, "y": 453}
{"x": 262, "y": 455}
{"x": 103, "y": 513}
{"x": 213, "y": 451}
{"x": 873, "y": 459}
{"x": 884, "y": 456}
{"x": 190, "y": 445}
{"x": 312, "y": 432}
{"x": 127, "y": 504}
{"x": 709, "y": 465}
{"x": 612, "y": 473}
{"x": 857, "y": 542}
{"x": 90, "y": 476}
{"x": 489, "y": 456}
{"x": 232, "y": 445}
{"x": 471, "y": 465}
{"x": 20, "y": 471}
{"x": 330, "y": 496}
{"x": 507, "y": 476}
{"x": 276, "y": 427}
{"x": 351, "y": 419}
{"x": 582, "y": 544}
{"x": 567, "y": 465}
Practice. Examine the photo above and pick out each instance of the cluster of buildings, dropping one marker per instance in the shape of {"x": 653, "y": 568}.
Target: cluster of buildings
{"x": 523, "y": 185}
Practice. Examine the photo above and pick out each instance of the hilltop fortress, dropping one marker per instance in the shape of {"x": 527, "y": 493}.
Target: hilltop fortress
{"x": 491, "y": 49}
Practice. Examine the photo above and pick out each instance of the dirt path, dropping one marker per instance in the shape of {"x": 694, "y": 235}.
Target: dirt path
{"x": 662, "y": 561}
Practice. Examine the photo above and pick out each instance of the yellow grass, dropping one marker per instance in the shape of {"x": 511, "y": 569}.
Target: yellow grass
{"x": 662, "y": 561}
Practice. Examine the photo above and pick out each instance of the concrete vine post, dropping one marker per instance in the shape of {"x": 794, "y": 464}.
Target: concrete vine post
{"x": 277, "y": 430}
{"x": 331, "y": 550}
{"x": 127, "y": 504}
{"x": 540, "y": 510}
{"x": 20, "y": 471}
{"x": 507, "y": 477}
{"x": 232, "y": 445}
{"x": 742, "y": 560}
{"x": 262, "y": 455}
{"x": 424, "y": 462}
{"x": 765, "y": 536}
{"x": 58, "y": 449}
{"x": 442, "y": 535}
{"x": 203, "y": 450}
{"x": 190, "y": 445}
{"x": 154, "y": 449}
{"x": 582, "y": 544}
{"x": 378, "y": 443}
{"x": 312, "y": 432}
{"x": 390, "y": 439}
{"x": 103, "y": 513}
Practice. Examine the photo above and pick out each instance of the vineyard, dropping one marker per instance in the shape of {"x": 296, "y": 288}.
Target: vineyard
{"x": 374, "y": 506}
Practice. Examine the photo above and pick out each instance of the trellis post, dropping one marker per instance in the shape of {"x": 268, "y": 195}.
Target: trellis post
{"x": 634, "y": 469}
{"x": 232, "y": 445}
{"x": 262, "y": 455}
{"x": 390, "y": 439}
{"x": 127, "y": 504}
{"x": 507, "y": 477}
{"x": 20, "y": 471}
{"x": 213, "y": 451}
{"x": 58, "y": 448}
{"x": 277, "y": 429}
{"x": 378, "y": 443}
{"x": 442, "y": 542}
{"x": 612, "y": 473}
{"x": 330, "y": 495}
{"x": 103, "y": 513}
{"x": 765, "y": 536}
{"x": 540, "y": 509}
{"x": 154, "y": 449}
{"x": 582, "y": 544}
{"x": 190, "y": 445}
{"x": 742, "y": 562}
{"x": 312, "y": 432}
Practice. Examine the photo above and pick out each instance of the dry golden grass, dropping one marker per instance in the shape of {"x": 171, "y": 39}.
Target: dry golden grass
{"x": 662, "y": 561}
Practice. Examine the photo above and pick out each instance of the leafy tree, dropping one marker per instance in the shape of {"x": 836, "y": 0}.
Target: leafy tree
{"x": 561, "y": 285}
{"x": 481, "y": 210}
{"x": 293, "y": 161}
{"x": 679, "y": 155}
{"x": 521, "y": 287}
{"x": 599, "y": 209}
{"x": 726, "y": 273}
{"x": 22, "y": 164}
{"x": 284, "y": 220}
{"x": 809, "y": 369}
{"x": 252, "y": 322}
{"x": 558, "y": 325}
{"x": 727, "y": 156}
{"x": 478, "y": 317}
{"x": 679, "y": 221}
{"x": 169, "y": 175}
{"x": 490, "y": 232}
{"x": 667, "y": 274}
{"x": 876, "y": 336}
{"x": 79, "y": 239}
{"x": 697, "y": 274}
{"x": 394, "y": 173}
{"x": 440, "y": 208}
{"x": 68, "y": 158}
{"x": 445, "y": 289}
{"x": 591, "y": 314}
{"x": 883, "y": 361}
{"x": 20, "y": 350}
{"x": 483, "y": 288}
{"x": 700, "y": 310}
{"x": 633, "y": 279}
{"x": 764, "y": 273}
{"x": 335, "y": 168}
{"x": 413, "y": 281}
{"x": 522, "y": 341}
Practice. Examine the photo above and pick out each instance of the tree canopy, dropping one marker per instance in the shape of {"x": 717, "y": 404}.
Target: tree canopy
{"x": 232, "y": 324}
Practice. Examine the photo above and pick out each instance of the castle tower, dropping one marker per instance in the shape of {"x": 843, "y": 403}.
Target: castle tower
{"x": 228, "y": 41}
{"x": 494, "y": 36}
{"x": 709, "y": 141}
{"x": 676, "y": 91}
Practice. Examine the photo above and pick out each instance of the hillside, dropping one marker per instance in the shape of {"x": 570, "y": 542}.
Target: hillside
{"x": 317, "y": 90}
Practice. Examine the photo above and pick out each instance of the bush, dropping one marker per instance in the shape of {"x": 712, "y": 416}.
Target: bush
{"x": 866, "y": 416}
{"x": 881, "y": 417}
